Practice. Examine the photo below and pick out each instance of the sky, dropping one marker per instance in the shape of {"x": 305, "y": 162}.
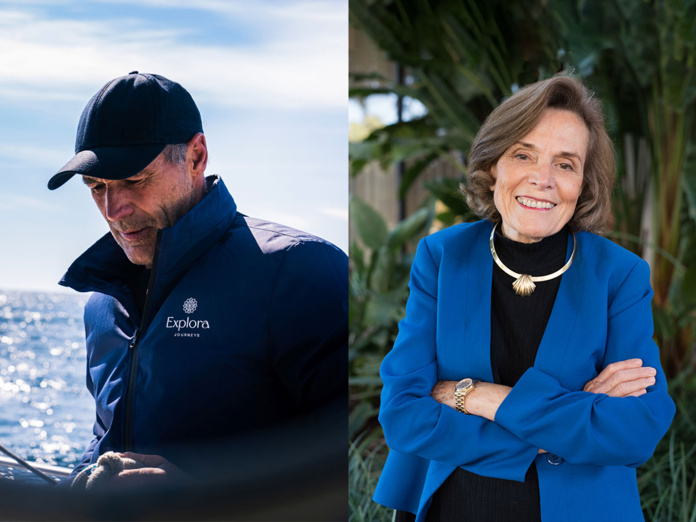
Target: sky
{"x": 269, "y": 78}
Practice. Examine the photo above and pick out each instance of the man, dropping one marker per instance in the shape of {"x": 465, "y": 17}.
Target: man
{"x": 204, "y": 323}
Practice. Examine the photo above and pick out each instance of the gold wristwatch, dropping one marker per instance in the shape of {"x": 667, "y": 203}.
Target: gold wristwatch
{"x": 461, "y": 390}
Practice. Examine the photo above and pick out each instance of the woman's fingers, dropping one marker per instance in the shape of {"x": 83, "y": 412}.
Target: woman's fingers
{"x": 623, "y": 379}
{"x": 619, "y": 366}
{"x": 629, "y": 387}
{"x": 622, "y": 384}
{"x": 614, "y": 369}
{"x": 601, "y": 384}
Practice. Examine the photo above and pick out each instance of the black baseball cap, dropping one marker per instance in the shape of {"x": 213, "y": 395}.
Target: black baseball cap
{"x": 127, "y": 124}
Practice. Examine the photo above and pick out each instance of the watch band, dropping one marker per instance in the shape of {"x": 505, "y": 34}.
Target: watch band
{"x": 461, "y": 390}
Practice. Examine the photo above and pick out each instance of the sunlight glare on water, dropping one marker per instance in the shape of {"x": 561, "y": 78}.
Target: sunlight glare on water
{"x": 47, "y": 412}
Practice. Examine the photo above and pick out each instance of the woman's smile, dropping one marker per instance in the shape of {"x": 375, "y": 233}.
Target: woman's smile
{"x": 534, "y": 204}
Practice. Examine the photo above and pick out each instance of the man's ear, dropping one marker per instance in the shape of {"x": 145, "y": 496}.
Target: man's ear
{"x": 197, "y": 155}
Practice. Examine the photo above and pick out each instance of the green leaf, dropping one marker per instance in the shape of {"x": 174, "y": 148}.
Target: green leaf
{"x": 664, "y": 323}
{"x": 367, "y": 380}
{"x": 409, "y": 228}
{"x": 359, "y": 417}
{"x": 357, "y": 257}
{"x": 383, "y": 269}
{"x": 689, "y": 182}
{"x": 414, "y": 170}
{"x": 403, "y": 149}
{"x": 447, "y": 190}
{"x": 387, "y": 88}
{"x": 360, "y": 153}
{"x": 385, "y": 310}
{"x": 369, "y": 225}
{"x": 683, "y": 288}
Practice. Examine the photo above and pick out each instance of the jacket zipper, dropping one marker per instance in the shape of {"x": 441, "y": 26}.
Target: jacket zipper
{"x": 133, "y": 348}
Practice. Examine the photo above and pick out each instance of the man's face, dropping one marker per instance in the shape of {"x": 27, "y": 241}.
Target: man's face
{"x": 136, "y": 207}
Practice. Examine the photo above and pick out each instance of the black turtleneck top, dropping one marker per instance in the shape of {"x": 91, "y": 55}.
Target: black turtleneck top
{"x": 517, "y": 327}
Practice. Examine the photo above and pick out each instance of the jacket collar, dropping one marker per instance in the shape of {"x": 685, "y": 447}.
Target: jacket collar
{"x": 104, "y": 267}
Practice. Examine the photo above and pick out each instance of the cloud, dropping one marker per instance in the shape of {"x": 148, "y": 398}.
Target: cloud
{"x": 17, "y": 202}
{"x": 335, "y": 212}
{"x": 293, "y": 65}
{"x": 37, "y": 156}
{"x": 309, "y": 10}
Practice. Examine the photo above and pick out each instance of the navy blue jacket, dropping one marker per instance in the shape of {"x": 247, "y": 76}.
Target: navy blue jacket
{"x": 244, "y": 326}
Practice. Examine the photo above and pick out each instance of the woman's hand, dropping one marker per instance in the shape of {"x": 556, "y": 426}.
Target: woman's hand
{"x": 483, "y": 400}
{"x": 443, "y": 392}
{"x": 623, "y": 379}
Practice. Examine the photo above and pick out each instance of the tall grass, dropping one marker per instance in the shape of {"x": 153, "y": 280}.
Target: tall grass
{"x": 366, "y": 460}
{"x": 667, "y": 482}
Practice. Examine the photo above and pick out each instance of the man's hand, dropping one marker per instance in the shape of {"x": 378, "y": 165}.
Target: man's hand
{"x": 623, "y": 379}
{"x": 155, "y": 471}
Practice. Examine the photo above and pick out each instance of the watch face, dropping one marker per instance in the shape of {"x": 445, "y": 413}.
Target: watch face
{"x": 464, "y": 383}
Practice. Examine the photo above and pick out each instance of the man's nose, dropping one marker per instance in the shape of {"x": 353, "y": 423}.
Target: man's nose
{"x": 117, "y": 204}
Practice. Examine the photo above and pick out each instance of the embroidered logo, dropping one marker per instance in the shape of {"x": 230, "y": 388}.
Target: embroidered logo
{"x": 190, "y": 326}
{"x": 190, "y": 305}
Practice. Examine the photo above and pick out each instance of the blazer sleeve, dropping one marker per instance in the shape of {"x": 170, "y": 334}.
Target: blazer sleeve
{"x": 590, "y": 428}
{"x": 414, "y": 422}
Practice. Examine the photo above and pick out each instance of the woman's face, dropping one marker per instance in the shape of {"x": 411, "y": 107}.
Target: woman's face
{"x": 539, "y": 179}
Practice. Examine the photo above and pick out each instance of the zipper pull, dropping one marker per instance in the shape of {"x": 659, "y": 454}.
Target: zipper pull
{"x": 134, "y": 339}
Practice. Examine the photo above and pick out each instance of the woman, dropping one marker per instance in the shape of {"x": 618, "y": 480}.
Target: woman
{"x": 524, "y": 383}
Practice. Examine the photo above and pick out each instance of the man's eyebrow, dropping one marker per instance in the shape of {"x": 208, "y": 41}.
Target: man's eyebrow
{"x": 562, "y": 153}
{"x": 87, "y": 180}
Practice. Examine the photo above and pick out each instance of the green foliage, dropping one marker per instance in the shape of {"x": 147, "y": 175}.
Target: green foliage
{"x": 366, "y": 458}
{"x": 640, "y": 57}
{"x": 667, "y": 482}
{"x": 462, "y": 57}
{"x": 447, "y": 192}
{"x": 368, "y": 223}
{"x": 378, "y": 291}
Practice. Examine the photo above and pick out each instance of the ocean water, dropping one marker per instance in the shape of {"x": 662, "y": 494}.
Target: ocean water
{"x": 46, "y": 412}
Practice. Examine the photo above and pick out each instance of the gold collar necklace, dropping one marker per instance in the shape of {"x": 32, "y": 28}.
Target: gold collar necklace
{"x": 524, "y": 283}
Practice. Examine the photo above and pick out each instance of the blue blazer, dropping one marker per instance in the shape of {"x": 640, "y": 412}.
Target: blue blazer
{"x": 601, "y": 315}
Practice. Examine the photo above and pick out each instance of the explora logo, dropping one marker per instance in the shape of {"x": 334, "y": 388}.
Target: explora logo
{"x": 186, "y": 323}
{"x": 190, "y": 306}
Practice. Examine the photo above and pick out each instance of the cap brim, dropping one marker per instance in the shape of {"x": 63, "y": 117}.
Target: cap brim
{"x": 107, "y": 163}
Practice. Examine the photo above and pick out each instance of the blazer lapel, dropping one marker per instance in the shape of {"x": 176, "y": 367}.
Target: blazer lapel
{"x": 564, "y": 316}
{"x": 464, "y": 307}
{"x": 477, "y": 315}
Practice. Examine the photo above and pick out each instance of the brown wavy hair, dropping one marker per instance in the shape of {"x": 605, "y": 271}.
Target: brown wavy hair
{"x": 516, "y": 117}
